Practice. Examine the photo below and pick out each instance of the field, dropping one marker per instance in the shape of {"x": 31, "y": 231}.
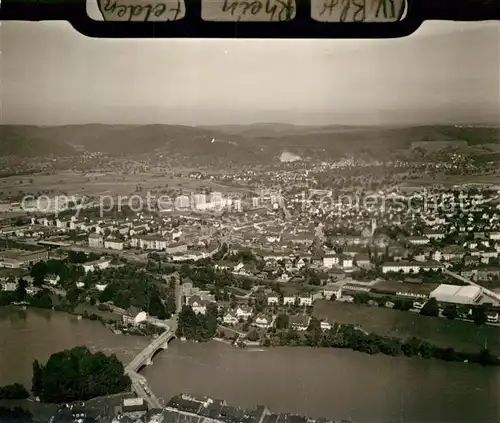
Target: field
{"x": 80, "y": 308}
{"x": 463, "y": 336}
{"x": 449, "y": 180}
{"x": 73, "y": 183}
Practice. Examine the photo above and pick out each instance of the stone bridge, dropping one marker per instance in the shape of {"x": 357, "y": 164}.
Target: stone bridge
{"x": 145, "y": 358}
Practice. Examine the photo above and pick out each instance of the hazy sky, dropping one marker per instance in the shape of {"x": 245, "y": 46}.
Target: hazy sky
{"x": 446, "y": 72}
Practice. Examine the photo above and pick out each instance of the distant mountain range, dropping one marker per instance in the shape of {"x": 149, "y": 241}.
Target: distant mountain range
{"x": 245, "y": 143}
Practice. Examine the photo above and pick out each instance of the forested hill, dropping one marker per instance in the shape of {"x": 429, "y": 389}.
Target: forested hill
{"x": 258, "y": 142}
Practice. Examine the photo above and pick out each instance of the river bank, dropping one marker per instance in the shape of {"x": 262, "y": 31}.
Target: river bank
{"x": 306, "y": 381}
{"x": 327, "y": 382}
{"x": 37, "y": 333}
{"x": 460, "y": 335}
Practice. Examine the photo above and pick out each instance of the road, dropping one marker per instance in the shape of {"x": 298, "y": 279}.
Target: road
{"x": 124, "y": 254}
{"x": 488, "y": 292}
{"x": 139, "y": 383}
{"x": 141, "y": 389}
{"x": 232, "y": 330}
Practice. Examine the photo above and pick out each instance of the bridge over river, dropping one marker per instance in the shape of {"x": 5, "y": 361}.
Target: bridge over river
{"x": 145, "y": 358}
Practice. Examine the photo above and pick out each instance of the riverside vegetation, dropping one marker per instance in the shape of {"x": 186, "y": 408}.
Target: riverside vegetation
{"x": 197, "y": 327}
{"x": 72, "y": 375}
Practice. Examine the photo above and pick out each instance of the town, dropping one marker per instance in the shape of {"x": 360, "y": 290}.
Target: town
{"x": 297, "y": 254}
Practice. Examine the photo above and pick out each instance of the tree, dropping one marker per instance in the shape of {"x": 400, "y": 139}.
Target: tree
{"x": 156, "y": 307}
{"x": 77, "y": 257}
{"x": 15, "y": 415}
{"x": 14, "y": 391}
{"x": 253, "y": 335}
{"x": 403, "y": 304}
{"x": 20, "y": 293}
{"x": 430, "y": 308}
{"x": 42, "y": 299}
{"x": 479, "y": 315}
{"x": 72, "y": 295}
{"x": 79, "y": 375}
{"x": 314, "y": 325}
{"x": 38, "y": 273}
{"x": 450, "y": 312}
{"x": 36, "y": 381}
{"x": 282, "y": 321}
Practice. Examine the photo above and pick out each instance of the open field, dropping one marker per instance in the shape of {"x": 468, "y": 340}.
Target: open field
{"x": 73, "y": 183}
{"x": 396, "y": 286}
{"x": 463, "y": 336}
{"x": 449, "y": 180}
{"x": 108, "y": 315}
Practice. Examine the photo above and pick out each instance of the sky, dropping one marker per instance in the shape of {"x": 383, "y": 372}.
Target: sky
{"x": 446, "y": 72}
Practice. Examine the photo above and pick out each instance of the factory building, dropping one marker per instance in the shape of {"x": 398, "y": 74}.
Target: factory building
{"x": 455, "y": 294}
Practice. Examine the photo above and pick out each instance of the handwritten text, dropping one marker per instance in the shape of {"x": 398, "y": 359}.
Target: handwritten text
{"x": 255, "y": 10}
{"x": 116, "y": 10}
{"x": 357, "y": 10}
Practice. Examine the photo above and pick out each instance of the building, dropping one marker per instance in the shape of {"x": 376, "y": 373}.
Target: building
{"x": 150, "y": 242}
{"x": 134, "y": 406}
{"x": 15, "y": 259}
{"x": 330, "y": 260}
{"x": 455, "y": 294}
{"x": 347, "y": 262}
{"x": 418, "y": 240}
{"x": 52, "y": 279}
{"x": 96, "y": 265}
{"x": 113, "y": 244}
{"x": 243, "y": 312}
{"x": 96, "y": 240}
{"x": 187, "y": 290}
{"x": 300, "y": 322}
{"x": 325, "y": 325}
{"x": 332, "y": 290}
{"x": 134, "y": 317}
{"x": 305, "y": 300}
{"x": 262, "y": 321}
{"x": 198, "y": 305}
{"x": 176, "y": 248}
{"x": 401, "y": 267}
{"x": 273, "y": 299}
{"x": 182, "y": 202}
{"x": 363, "y": 261}
{"x": 492, "y": 317}
{"x": 230, "y": 319}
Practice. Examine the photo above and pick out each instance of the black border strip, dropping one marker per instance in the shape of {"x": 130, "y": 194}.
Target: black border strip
{"x": 302, "y": 26}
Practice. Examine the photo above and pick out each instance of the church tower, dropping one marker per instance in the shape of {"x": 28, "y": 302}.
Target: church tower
{"x": 374, "y": 227}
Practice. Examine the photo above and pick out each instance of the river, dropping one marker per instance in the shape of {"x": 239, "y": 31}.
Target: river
{"x": 317, "y": 382}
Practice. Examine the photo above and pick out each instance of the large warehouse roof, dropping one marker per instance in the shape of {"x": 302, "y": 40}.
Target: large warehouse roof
{"x": 469, "y": 291}
{"x": 456, "y": 294}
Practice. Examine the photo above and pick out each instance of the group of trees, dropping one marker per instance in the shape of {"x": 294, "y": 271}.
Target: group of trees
{"x": 207, "y": 276}
{"x": 78, "y": 375}
{"x": 14, "y": 391}
{"x": 69, "y": 270}
{"x": 128, "y": 286}
{"x": 41, "y": 299}
{"x": 15, "y": 415}
{"x": 197, "y": 327}
{"x": 18, "y": 296}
